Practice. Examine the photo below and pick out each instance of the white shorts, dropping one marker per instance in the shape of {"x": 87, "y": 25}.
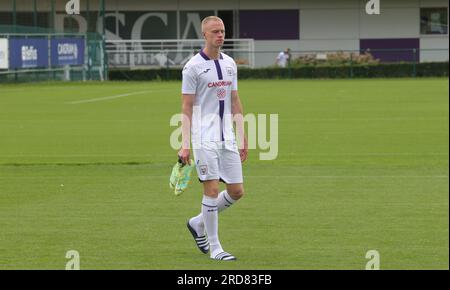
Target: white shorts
{"x": 218, "y": 160}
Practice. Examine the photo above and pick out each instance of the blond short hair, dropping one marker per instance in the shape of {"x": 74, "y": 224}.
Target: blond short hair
{"x": 209, "y": 19}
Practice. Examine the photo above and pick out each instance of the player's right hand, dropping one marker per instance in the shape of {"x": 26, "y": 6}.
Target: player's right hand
{"x": 184, "y": 155}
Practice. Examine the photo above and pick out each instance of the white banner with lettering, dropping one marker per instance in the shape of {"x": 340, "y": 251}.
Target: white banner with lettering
{"x": 4, "y": 58}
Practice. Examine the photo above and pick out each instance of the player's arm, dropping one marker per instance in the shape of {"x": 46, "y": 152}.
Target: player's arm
{"x": 188, "y": 91}
{"x": 186, "y": 119}
{"x": 238, "y": 117}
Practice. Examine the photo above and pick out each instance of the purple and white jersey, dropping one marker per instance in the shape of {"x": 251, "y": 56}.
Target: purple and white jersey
{"x": 211, "y": 81}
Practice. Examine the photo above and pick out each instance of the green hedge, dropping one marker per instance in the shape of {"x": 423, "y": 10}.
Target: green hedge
{"x": 434, "y": 69}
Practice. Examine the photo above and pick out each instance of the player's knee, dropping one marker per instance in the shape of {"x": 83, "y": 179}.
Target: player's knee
{"x": 212, "y": 192}
{"x": 237, "y": 193}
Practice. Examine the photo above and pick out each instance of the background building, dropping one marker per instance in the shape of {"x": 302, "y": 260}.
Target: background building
{"x": 415, "y": 29}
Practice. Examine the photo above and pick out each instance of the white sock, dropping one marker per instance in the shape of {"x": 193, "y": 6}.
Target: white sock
{"x": 211, "y": 221}
{"x": 197, "y": 224}
{"x": 224, "y": 201}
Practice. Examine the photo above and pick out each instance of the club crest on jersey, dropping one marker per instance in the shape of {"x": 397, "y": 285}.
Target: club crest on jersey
{"x": 230, "y": 71}
{"x": 221, "y": 93}
{"x": 203, "y": 169}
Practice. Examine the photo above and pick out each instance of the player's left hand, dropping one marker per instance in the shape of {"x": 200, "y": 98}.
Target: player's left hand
{"x": 244, "y": 154}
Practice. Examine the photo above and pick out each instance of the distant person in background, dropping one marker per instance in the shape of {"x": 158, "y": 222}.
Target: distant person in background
{"x": 284, "y": 58}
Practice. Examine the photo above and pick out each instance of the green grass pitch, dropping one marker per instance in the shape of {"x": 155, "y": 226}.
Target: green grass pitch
{"x": 362, "y": 165}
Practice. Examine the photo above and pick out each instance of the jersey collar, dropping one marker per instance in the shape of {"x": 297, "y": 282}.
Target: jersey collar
{"x": 206, "y": 57}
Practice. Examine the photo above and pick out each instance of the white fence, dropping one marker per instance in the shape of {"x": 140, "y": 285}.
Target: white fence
{"x": 136, "y": 54}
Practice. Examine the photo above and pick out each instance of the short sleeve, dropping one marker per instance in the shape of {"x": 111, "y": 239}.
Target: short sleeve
{"x": 189, "y": 82}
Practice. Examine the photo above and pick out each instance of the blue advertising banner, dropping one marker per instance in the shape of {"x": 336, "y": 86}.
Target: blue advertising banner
{"x": 28, "y": 52}
{"x": 67, "y": 51}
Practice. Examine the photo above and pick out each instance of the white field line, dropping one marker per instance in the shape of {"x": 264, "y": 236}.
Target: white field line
{"x": 112, "y": 97}
{"x": 11, "y": 90}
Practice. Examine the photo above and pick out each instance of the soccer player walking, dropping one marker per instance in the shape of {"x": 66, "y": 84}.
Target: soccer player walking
{"x": 210, "y": 105}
